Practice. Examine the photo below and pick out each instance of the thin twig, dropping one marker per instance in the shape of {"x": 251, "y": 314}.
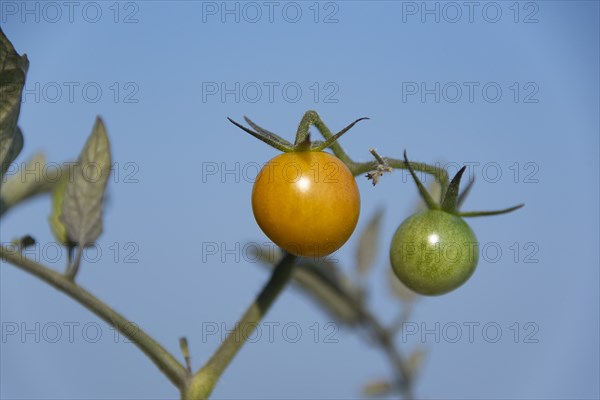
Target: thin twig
{"x": 206, "y": 378}
{"x": 169, "y": 366}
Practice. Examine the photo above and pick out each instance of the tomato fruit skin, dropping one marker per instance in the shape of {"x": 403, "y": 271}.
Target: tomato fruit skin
{"x": 306, "y": 202}
{"x": 434, "y": 252}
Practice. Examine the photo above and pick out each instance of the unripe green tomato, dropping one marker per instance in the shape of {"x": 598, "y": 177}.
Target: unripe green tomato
{"x": 434, "y": 252}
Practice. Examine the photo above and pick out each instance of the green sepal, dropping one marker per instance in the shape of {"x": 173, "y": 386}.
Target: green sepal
{"x": 431, "y": 203}
{"x": 449, "y": 203}
{"x": 488, "y": 213}
{"x": 463, "y": 195}
{"x": 302, "y": 141}
{"x": 323, "y": 145}
{"x": 268, "y": 134}
{"x": 267, "y": 137}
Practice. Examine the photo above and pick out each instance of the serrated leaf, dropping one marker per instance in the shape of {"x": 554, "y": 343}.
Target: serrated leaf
{"x": 368, "y": 244}
{"x": 13, "y": 69}
{"x": 84, "y": 195}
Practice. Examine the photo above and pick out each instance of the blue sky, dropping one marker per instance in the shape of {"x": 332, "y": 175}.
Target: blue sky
{"x": 509, "y": 88}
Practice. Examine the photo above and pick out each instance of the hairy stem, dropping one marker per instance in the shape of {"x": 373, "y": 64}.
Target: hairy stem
{"x": 168, "y": 365}
{"x": 206, "y": 378}
{"x": 312, "y": 118}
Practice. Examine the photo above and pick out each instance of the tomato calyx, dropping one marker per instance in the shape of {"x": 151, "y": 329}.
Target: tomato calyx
{"x": 302, "y": 141}
{"x": 452, "y": 199}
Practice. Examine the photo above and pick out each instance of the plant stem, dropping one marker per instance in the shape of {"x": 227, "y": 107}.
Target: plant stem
{"x": 169, "y": 366}
{"x": 206, "y": 378}
{"x": 384, "y": 338}
{"x": 440, "y": 174}
{"x": 312, "y": 118}
{"x": 362, "y": 317}
{"x": 73, "y": 266}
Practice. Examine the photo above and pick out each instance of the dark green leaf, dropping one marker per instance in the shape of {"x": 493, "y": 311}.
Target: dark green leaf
{"x": 10, "y": 149}
{"x": 13, "y": 69}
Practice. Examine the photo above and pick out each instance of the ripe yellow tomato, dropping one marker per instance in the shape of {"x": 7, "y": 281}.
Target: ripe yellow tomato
{"x": 306, "y": 202}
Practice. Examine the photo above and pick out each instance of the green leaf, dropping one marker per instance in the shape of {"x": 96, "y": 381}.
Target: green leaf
{"x": 59, "y": 230}
{"x": 9, "y": 150}
{"x": 84, "y": 195}
{"x": 368, "y": 244}
{"x": 13, "y": 69}
{"x": 23, "y": 186}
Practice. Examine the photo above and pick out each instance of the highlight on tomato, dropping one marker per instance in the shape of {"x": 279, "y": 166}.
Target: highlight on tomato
{"x": 435, "y": 251}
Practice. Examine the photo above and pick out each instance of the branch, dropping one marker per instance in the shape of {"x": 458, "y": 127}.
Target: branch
{"x": 384, "y": 338}
{"x": 160, "y": 357}
{"x": 313, "y": 280}
{"x": 356, "y": 168}
{"x": 206, "y": 378}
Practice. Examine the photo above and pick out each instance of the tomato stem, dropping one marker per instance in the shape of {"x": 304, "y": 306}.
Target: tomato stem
{"x": 204, "y": 381}
{"x": 451, "y": 198}
{"x": 167, "y": 364}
